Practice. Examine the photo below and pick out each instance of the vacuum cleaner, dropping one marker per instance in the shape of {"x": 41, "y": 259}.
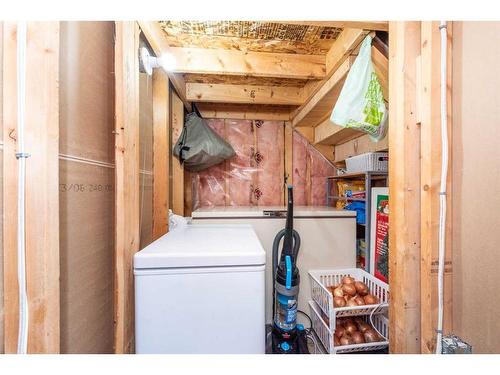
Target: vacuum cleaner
{"x": 287, "y": 336}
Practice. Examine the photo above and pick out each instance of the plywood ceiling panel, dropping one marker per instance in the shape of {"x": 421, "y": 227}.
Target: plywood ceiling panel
{"x": 256, "y": 36}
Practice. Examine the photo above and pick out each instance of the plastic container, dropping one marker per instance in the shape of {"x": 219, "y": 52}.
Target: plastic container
{"x": 368, "y": 162}
{"x": 320, "y": 279}
{"x": 325, "y": 334}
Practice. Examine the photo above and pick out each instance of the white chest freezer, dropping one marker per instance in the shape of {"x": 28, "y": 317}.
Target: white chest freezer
{"x": 328, "y": 239}
{"x": 201, "y": 289}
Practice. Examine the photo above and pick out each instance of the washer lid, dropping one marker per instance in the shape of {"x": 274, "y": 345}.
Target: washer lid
{"x": 270, "y": 212}
{"x": 203, "y": 246}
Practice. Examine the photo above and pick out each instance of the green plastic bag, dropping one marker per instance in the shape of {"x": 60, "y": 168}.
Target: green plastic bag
{"x": 361, "y": 103}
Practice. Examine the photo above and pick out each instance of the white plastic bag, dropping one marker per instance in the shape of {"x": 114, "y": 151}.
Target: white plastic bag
{"x": 361, "y": 103}
{"x": 176, "y": 221}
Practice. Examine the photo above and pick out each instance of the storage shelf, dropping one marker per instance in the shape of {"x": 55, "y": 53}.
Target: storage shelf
{"x": 372, "y": 174}
{"x": 348, "y": 198}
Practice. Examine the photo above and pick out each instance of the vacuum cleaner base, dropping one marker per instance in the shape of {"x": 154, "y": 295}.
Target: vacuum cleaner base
{"x": 295, "y": 345}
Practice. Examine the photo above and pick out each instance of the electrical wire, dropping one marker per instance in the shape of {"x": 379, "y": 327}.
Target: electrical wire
{"x": 442, "y": 190}
{"x": 307, "y": 316}
{"x": 21, "y": 155}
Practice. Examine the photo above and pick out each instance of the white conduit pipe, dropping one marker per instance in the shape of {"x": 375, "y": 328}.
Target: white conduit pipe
{"x": 22, "y": 340}
{"x": 442, "y": 189}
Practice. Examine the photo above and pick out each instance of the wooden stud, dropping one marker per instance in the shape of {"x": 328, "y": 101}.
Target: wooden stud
{"x": 161, "y": 146}
{"x": 42, "y": 186}
{"x": 404, "y": 190}
{"x": 244, "y": 111}
{"x": 366, "y": 25}
{"x": 177, "y": 117}
{"x": 328, "y": 93}
{"x": 288, "y": 156}
{"x": 156, "y": 39}
{"x": 127, "y": 189}
{"x": 249, "y": 94}
{"x": 381, "y": 67}
{"x": 430, "y": 186}
{"x": 256, "y": 64}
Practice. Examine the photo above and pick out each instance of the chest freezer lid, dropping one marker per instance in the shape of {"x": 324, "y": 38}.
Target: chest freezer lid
{"x": 270, "y": 211}
{"x": 207, "y": 245}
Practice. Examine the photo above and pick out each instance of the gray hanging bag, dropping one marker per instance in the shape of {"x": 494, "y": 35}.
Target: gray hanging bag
{"x": 199, "y": 147}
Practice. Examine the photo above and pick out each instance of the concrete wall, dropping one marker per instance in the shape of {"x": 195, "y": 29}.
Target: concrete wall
{"x": 476, "y": 184}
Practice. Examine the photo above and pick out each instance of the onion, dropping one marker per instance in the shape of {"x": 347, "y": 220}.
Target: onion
{"x": 350, "y": 328}
{"x": 339, "y": 331}
{"x": 347, "y": 280}
{"x": 352, "y": 303}
{"x": 348, "y": 321}
{"x": 358, "y": 337}
{"x": 346, "y": 340}
{"x": 363, "y": 327}
{"x": 338, "y": 292}
{"x": 361, "y": 288}
{"x": 358, "y": 320}
{"x": 370, "y": 299}
{"x": 349, "y": 289}
{"x": 359, "y": 300}
{"x": 371, "y": 335}
{"x": 336, "y": 341}
{"x": 338, "y": 302}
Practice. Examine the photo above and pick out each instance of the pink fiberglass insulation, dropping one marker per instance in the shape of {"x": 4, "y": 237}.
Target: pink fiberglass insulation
{"x": 255, "y": 176}
{"x": 240, "y": 169}
{"x": 269, "y": 159}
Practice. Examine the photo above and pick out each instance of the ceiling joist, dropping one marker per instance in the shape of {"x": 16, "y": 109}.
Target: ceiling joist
{"x": 249, "y": 94}
{"x": 257, "y": 64}
{"x": 156, "y": 38}
{"x": 328, "y": 133}
{"x": 244, "y": 111}
{"x": 366, "y": 25}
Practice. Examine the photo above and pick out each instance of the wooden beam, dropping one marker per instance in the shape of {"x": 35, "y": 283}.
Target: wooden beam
{"x": 328, "y": 133}
{"x": 246, "y": 94}
{"x": 177, "y": 118}
{"x": 42, "y": 186}
{"x": 244, "y": 111}
{"x": 127, "y": 189}
{"x": 430, "y": 186}
{"x": 327, "y": 94}
{"x": 366, "y": 25}
{"x": 357, "y": 146}
{"x": 342, "y": 48}
{"x": 381, "y": 67}
{"x": 404, "y": 189}
{"x": 156, "y": 39}
{"x": 257, "y": 64}
{"x": 161, "y": 146}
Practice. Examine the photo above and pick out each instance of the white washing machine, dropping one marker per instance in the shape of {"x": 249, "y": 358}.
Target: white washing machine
{"x": 201, "y": 289}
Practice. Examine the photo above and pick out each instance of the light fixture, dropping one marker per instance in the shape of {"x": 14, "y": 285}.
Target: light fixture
{"x": 166, "y": 61}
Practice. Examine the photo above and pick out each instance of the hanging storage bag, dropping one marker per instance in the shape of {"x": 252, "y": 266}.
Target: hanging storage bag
{"x": 199, "y": 147}
{"x": 361, "y": 103}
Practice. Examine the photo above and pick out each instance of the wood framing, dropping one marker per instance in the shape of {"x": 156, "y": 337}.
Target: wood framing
{"x": 246, "y": 94}
{"x": 156, "y": 38}
{"x": 244, "y": 112}
{"x": 430, "y": 185}
{"x": 42, "y": 186}
{"x": 366, "y": 25}
{"x": 328, "y": 133}
{"x": 404, "y": 189}
{"x": 161, "y": 146}
{"x": 177, "y": 123}
{"x": 321, "y": 103}
{"x": 126, "y": 180}
{"x": 288, "y": 155}
{"x": 381, "y": 67}
{"x": 341, "y": 49}
{"x": 257, "y": 64}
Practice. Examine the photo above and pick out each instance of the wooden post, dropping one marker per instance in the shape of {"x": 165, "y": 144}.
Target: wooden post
{"x": 42, "y": 190}
{"x": 404, "y": 189}
{"x": 161, "y": 140}
{"x": 126, "y": 180}
{"x": 288, "y": 157}
{"x": 430, "y": 185}
{"x": 177, "y": 169}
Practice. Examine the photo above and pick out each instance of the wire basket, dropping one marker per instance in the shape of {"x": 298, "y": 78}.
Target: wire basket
{"x": 325, "y": 334}
{"x": 320, "y": 279}
{"x": 368, "y": 162}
